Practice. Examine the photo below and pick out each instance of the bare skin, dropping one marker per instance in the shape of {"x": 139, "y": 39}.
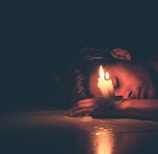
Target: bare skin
{"x": 134, "y": 83}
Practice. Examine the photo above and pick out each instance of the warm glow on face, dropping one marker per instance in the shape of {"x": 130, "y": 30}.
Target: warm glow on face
{"x": 107, "y": 76}
{"x": 101, "y": 72}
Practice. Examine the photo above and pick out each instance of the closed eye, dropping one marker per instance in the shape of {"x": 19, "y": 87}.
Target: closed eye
{"x": 116, "y": 83}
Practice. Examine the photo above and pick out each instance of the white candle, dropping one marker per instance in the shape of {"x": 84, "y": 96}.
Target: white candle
{"x": 105, "y": 85}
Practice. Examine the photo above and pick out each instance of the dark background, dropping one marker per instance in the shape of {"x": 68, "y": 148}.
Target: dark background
{"x": 40, "y": 39}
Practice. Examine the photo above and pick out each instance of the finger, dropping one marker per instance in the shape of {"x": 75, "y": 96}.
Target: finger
{"x": 81, "y": 108}
{"x": 81, "y": 112}
{"x": 82, "y": 105}
{"x": 86, "y": 103}
{"x": 66, "y": 112}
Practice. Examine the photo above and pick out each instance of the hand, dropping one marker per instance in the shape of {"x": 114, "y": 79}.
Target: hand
{"x": 95, "y": 107}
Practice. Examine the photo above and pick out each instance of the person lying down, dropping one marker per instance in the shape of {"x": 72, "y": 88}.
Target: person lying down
{"x": 134, "y": 81}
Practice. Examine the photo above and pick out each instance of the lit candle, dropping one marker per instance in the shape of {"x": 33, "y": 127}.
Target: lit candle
{"x": 105, "y": 85}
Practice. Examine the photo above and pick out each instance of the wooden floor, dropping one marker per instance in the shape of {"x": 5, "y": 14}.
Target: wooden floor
{"x": 48, "y": 131}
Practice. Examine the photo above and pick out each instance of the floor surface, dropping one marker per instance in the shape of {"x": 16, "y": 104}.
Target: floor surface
{"x": 48, "y": 131}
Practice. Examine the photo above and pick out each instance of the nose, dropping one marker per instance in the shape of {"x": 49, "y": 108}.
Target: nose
{"x": 126, "y": 94}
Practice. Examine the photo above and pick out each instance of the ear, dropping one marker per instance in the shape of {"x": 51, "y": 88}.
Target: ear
{"x": 121, "y": 54}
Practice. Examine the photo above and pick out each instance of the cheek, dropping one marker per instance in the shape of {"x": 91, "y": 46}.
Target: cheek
{"x": 130, "y": 81}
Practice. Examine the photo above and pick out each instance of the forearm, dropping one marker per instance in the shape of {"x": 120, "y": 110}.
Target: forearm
{"x": 137, "y": 108}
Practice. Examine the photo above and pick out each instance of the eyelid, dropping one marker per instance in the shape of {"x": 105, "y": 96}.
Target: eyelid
{"x": 115, "y": 82}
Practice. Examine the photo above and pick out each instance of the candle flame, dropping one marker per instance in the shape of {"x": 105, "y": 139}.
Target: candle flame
{"x": 101, "y": 72}
{"x": 107, "y": 76}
